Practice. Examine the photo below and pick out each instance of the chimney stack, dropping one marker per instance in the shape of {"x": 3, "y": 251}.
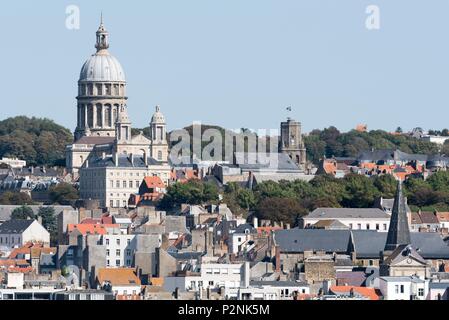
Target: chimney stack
{"x": 277, "y": 255}
{"x": 116, "y": 159}
{"x": 255, "y": 222}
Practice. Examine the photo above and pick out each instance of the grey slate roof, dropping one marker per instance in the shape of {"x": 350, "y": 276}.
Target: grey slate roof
{"x": 388, "y": 204}
{"x": 339, "y": 213}
{"x": 123, "y": 162}
{"x": 191, "y": 255}
{"x": 243, "y": 227}
{"x": 15, "y": 226}
{"x": 369, "y": 243}
{"x": 251, "y": 161}
{"x": 300, "y": 240}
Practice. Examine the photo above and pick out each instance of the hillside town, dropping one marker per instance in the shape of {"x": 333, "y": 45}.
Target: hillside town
{"x": 127, "y": 218}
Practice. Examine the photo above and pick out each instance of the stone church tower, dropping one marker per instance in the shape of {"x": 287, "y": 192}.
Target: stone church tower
{"x": 101, "y": 91}
{"x": 159, "y": 145}
{"x": 291, "y": 142}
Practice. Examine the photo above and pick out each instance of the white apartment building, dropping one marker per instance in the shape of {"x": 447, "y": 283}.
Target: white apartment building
{"x": 16, "y": 233}
{"x": 120, "y": 249}
{"x": 212, "y": 276}
{"x": 268, "y": 290}
{"x": 14, "y": 162}
{"x": 403, "y": 288}
{"x": 353, "y": 218}
{"x": 112, "y": 180}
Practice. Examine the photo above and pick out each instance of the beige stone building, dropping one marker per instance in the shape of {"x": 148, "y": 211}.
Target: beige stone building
{"x": 103, "y": 126}
{"x": 111, "y": 162}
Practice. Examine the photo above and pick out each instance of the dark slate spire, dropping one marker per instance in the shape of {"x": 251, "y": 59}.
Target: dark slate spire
{"x": 399, "y": 232}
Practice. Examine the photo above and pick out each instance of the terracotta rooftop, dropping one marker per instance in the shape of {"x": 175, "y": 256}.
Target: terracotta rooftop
{"x": 118, "y": 276}
{"x": 370, "y": 293}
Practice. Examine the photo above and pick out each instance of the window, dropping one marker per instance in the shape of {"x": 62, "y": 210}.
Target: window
{"x": 208, "y": 271}
{"x": 128, "y": 252}
{"x": 107, "y": 252}
{"x": 211, "y": 283}
{"x": 402, "y": 288}
{"x": 159, "y": 155}
{"x": 350, "y": 226}
{"x": 137, "y": 184}
{"x": 111, "y": 203}
{"x": 421, "y": 292}
{"x": 367, "y": 226}
{"x": 118, "y": 203}
{"x": 108, "y": 263}
{"x": 112, "y": 183}
{"x": 128, "y": 262}
{"x": 359, "y": 226}
{"x": 396, "y": 289}
{"x": 377, "y": 226}
{"x": 130, "y": 183}
{"x": 385, "y": 226}
{"x": 117, "y": 252}
{"x": 124, "y": 184}
{"x": 107, "y": 241}
{"x": 117, "y": 184}
{"x": 118, "y": 241}
{"x": 124, "y": 203}
{"x": 99, "y": 89}
{"x": 128, "y": 241}
{"x": 117, "y": 262}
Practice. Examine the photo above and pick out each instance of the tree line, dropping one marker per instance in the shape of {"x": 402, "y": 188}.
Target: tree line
{"x": 287, "y": 201}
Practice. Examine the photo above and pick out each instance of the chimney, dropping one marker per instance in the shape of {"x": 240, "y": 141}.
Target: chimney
{"x": 277, "y": 255}
{"x": 103, "y": 155}
{"x": 145, "y": 159}
{"x": 255, "y": 222}
{"x": 87, "y": 163}
{"x": 116, "y": 159}
{"x": 131, "y": 159}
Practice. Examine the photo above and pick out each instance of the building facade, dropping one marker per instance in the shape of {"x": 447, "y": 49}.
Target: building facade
{"x": 103, "y": 126}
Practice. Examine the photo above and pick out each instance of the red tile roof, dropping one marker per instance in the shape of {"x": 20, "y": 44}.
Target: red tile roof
{"x": 370, "y": 293}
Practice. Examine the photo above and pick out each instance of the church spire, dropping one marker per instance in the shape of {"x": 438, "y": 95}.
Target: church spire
{"x": 398, "y": 232}
{"x": 102, "y": 36}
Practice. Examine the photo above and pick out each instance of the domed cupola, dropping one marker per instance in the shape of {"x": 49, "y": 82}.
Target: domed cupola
{"x": 101, "y": 90}
{"x": 102, "y": 66}
{"x": 158, "y": 117}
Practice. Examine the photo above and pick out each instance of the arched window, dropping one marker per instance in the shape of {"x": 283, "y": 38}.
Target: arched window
{"x": 99, "y": 115}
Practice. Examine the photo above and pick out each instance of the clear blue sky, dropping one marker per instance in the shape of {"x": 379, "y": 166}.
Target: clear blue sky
{"x": 237, "y": 63}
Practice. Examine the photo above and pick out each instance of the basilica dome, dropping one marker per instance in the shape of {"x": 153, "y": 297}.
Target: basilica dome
{"x": 102, "y": 67}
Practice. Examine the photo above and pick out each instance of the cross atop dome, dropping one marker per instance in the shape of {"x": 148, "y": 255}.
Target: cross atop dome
{"x": 102, "y": 37}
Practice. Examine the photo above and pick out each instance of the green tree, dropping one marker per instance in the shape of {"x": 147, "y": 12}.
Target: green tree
{"x": 360, "y": 191}
{"x": 386, "y": 184}
{"x": 49, "y": 221}
{"x": 63, "y": 193}
{"x": 439, "y": 181}
{"x": 190, "y": 192}
{"x": 280, "y": 209}
{"x": 15, "y": 198}
{"x": 23, "y": 212}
